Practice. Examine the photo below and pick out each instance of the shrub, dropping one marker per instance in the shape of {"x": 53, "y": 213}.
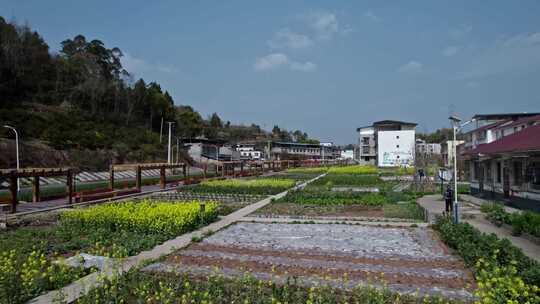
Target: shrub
{"x": 169, "y": 219}
{"x": 24, "y": 276}
{"x": 501, "y": 284}
{"x": 521, "y": 222}
{"x": 252, "y": 186}
{"x": 473, "y": 245}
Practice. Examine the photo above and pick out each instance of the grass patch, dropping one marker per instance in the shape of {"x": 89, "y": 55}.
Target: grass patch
{"x": 404, "y": 211}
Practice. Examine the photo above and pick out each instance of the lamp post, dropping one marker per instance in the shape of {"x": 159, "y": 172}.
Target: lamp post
{"x": 169, "y": 154}
{"x": 455, "y": 127}
{"x": 16, "y": 151}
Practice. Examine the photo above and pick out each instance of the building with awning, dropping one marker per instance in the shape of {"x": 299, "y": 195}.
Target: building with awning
{"x": 508, "y": 168}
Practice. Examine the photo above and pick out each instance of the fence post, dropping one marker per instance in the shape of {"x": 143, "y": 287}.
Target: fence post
{"x": 35, "y": 190}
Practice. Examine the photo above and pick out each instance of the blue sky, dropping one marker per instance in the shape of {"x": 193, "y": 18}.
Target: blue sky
{"x": 325, "y": 67}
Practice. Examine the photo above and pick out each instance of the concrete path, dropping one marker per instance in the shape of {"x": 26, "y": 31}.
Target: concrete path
{"x": 435, "y": 206}
{"x": 82, "y": 286}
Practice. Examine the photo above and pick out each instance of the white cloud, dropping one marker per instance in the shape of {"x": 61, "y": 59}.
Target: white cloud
{"x": 450, "y": 51}
{"x": 285, "y": 38}
{"x": 411, "y": 67}
{"x": 277, "y": 60}
{"x": 304, "y": 67}
{"x": 371, "y": 15}
{"x": 270, "y": 62}
{"x": 325, "y": 24}
{"x": 136, "y": 65}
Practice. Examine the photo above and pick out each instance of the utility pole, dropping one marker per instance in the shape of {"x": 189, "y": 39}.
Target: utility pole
{"x": 161, "y": 130}
{"x": 17, "y": 153}
{"x": 169, "y": 154}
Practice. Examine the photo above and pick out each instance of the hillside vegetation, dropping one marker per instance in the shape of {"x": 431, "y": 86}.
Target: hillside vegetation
{"x": 81, "y": 102}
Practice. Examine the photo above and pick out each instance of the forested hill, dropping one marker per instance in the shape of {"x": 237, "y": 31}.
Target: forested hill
{"x": 84, "y": 107}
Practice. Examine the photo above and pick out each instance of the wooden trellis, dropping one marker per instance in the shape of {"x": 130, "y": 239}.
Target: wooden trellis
{"x": 138, "y": 168}
{"x": 12, "y": 175}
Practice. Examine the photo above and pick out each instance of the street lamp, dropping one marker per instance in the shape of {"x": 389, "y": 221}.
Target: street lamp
{"x": 456, "y": 125}
{"x": 169, "y": 154}
{"x": 17, "y": 151}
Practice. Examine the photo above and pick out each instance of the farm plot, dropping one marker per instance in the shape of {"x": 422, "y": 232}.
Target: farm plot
{"x": 261, "y": 186}
{"x": 405, "y": 260}
{"x": 347, "y": 195}
{"x": 29, "y": 254}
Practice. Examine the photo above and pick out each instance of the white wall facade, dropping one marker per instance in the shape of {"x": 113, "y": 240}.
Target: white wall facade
{"x": 395, "y": 148}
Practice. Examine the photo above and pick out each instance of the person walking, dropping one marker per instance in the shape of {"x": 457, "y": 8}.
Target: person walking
{"x": 448, "y": 198}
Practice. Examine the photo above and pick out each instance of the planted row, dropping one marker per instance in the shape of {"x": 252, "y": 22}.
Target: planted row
{"x": 251, "y": 186}
{"x": 360, "y": 169}
{"x": 148, "y": 216}
{"x": 140, "y": 287}
{"x": 334, "y": 198}
{"x": 349, "y": 180}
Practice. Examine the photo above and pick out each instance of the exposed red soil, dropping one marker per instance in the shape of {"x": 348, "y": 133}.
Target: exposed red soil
{"x": 325, "y": 257}
{"x": 408, "y": 280}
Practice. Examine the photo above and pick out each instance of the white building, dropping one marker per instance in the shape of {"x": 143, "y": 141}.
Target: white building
{"x": 387, "y": 143}
{"x": 425, "y": 148}
{"x": 347, "y": 154}
{"x": 248, "y": 152}
{"x": 447, "y": 151}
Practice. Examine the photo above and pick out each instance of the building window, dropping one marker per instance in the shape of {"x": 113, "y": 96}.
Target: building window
{"x": 366, "y": 158}
{"x": 397, "y": 146}
{"x": 365, "y": 140}
{"x": 397, "y": 136}
{"x": 499, "y": 178}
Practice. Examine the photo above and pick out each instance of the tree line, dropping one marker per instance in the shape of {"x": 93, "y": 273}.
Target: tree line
{"x": 83, "y": 98}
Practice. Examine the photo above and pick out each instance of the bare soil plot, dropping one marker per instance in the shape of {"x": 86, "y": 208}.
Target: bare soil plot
{"x": 408, "y": 259}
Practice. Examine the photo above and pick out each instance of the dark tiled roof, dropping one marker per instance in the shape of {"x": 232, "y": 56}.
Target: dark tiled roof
{"x": 488, "y": 126}
{"x": 498, "y": 116}
{"x": 522, "y": 141}
{"x": 392, "y": 122}
{"x": 519, "y": 122}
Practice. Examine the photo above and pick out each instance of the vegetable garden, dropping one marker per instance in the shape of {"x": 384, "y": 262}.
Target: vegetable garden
{"x": 28, "y": 253}
{"x": 265, "y": 186}
{"x": 355, "y": 190}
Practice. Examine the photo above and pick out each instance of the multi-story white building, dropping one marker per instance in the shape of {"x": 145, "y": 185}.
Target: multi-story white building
{"x": 447, "y": 151}
{"x": 422, "y": 147}
{"x": 387, "y": 143}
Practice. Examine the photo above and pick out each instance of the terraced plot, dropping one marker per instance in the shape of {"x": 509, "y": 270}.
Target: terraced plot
{"x": 408, "y": 260}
